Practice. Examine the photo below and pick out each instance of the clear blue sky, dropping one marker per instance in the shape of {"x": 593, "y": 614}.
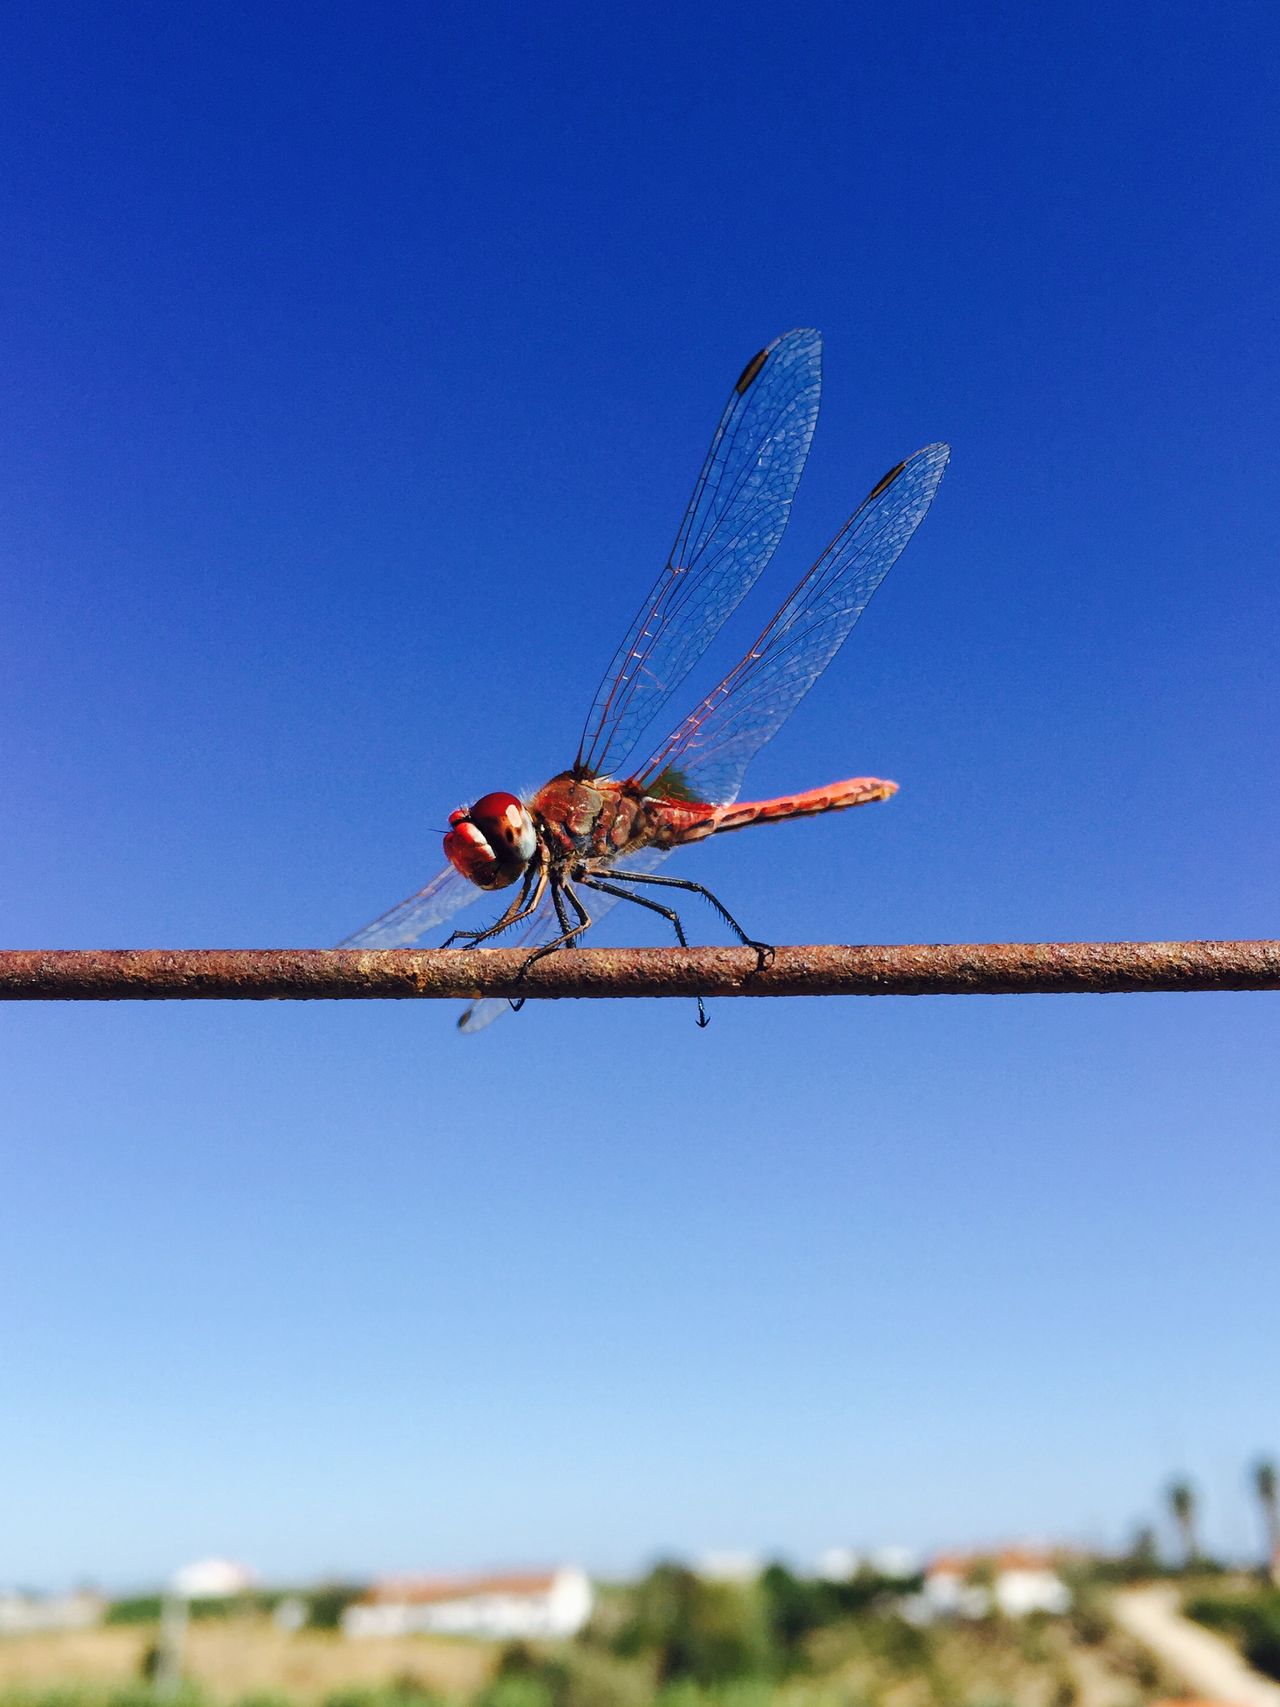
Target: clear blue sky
{"x": 357, "y": 365}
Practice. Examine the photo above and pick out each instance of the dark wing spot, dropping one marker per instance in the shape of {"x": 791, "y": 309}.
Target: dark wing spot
{"x": 751, "y": 372}
{"x": 883, "y": 485}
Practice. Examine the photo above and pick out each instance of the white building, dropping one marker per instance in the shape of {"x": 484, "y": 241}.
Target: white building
{"x": 1015, "y": 1582}
{"x": 896, "y": 1561}
{"x": 550, "y": 1603}
{"x": 838, "y": 1564}
{"x": 723, "y": 1565}
{"x": 20, "y": 1613}
{"x": 212, "y": 1579}
{"x": 1029, "y": 1582}
{"x": 947, "y": 1592}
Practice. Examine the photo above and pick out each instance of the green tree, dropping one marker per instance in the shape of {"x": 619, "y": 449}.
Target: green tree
{"x": 1264, "y": 1485}
{"x": 793, "y": 1608}
{"x": 706, "y": 1632}
{"x": 327, "y": 1602}
{"x": 1182, "y": 1503}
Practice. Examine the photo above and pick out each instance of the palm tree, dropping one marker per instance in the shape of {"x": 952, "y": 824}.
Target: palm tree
{"x": 1182, "y": 1503}
{"x": 1264, "y": 1485}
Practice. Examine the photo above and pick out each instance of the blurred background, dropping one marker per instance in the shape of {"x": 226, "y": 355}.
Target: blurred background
{"x": 358, "y": 362}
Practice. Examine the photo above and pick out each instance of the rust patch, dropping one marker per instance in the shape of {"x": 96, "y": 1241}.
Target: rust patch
{"x": 940, "y": 969}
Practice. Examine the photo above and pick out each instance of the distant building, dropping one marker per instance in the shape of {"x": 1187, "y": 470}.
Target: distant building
{"x": 726, "y": 1566}
{"x": 551, "y": 1603}
{"x": 212, "y": 1579}
{"x": 290, "y": 1615}
{"x": 1015, "y": 1582}
{"x": 1029, "y": 1582}
{"x": 20, "y": 1613}
{"x": 842, "y": 1564}
{"x": 838, "y": 1564}
{"x": 948, "y": 1592}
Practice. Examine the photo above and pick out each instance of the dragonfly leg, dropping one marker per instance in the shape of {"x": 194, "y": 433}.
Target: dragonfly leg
{"x": 560, "y": 892}
{"x": 564, "y": 941}
{"x": 535, "y": 880}
{"x": 764, "y": 950}
{"x": 668, "y": 913}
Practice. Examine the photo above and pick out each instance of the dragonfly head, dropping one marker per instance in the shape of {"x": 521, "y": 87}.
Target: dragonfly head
{"x": 491, "y": 842}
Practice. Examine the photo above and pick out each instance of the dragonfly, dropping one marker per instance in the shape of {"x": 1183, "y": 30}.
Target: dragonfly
{"x": 596, "y": 832}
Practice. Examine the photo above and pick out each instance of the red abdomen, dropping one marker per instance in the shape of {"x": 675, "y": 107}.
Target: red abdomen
{"x": 835, "y": 797}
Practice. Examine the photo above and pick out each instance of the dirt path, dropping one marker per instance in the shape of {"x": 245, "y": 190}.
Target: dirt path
{"x": 1208, "y": 1664}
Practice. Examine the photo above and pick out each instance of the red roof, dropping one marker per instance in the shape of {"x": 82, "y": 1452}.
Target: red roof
{"x": 1001, "y": 1559}
{"x": 422, "y": 1591}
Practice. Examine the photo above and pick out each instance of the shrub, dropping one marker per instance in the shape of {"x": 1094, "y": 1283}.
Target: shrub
{"x": 141, "y": 1609}
{"x": 403, "y": 1691}
{"x": 1252, "y": 1620}
{"x": 326, "y": 1604}
{"x": 702, "y": 1632}
{"x": 793, "y": 1609}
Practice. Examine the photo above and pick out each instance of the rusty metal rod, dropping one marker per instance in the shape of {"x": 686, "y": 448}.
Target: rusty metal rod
{"x": 942, "y": 969}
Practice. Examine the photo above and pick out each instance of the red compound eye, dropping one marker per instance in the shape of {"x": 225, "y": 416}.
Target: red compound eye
{"x": 468, "y": 852}
{"x": 493, "y": 842}
{"x": 501, "y": 819}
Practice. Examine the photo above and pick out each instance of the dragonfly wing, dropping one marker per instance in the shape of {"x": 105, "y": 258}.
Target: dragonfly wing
{"x": 705, "y": 757}
{"x": 444, "y": 896}
{"x": 739, "y": 509}
{"x": 544, "y": 927}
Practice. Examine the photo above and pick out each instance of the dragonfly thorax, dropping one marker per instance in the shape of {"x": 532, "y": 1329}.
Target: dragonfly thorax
{"x": 491, "y": 842}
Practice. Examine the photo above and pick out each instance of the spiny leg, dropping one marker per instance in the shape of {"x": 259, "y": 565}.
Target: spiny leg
{"x": 535, "y": 879}
{"x": 565, "y": 940}
{"x": 557, "y": 901}
{"x": 559, "y": 888}
{"x": 667, "y": 913}
{"x": 764, "y": 950}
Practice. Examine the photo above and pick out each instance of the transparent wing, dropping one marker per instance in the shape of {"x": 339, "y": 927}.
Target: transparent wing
{"x": 543, "y": 926}
{"x": 444, "y": 896}
{"x": 706, "y": 756}
{"x": 735, "y": 519}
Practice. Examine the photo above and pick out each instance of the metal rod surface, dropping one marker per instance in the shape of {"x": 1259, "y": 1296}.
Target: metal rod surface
{"x": 940, "y": 969}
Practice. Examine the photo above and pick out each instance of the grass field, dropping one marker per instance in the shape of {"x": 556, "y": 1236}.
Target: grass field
{"x": 249, "y": 1661}
{"x": 250, "y": 1657}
